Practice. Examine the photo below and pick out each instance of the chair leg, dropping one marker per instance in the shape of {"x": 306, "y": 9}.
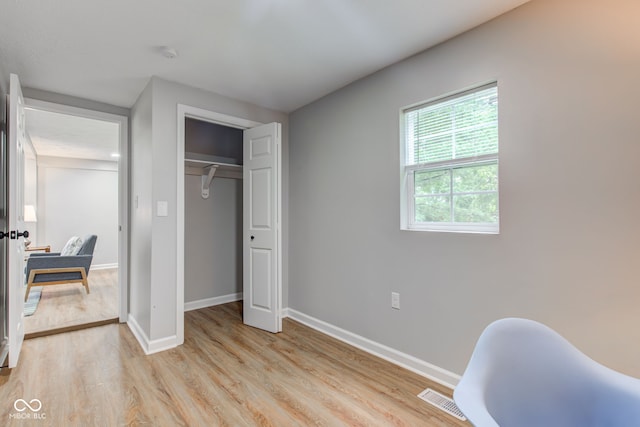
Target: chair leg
{"x": 85, "y": 282}
{"x": 32, "y": 276}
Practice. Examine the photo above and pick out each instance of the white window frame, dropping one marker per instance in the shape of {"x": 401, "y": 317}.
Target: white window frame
{"x": 407, "y": 202}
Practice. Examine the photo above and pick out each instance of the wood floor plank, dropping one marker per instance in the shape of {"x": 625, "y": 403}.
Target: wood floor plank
{"x": 66, "y": 306}
{"x": 225, "y": 374}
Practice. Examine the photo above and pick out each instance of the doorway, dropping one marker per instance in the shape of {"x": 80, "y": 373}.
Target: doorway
{"x": 75, "y": 186}
{"x": 213, "y": 214}
{"x": 261, "y": 212}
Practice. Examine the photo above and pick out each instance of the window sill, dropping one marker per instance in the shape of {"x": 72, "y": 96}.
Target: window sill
{"x": 455, "y": 228}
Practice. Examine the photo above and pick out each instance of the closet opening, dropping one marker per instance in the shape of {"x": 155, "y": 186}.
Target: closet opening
{"x": 212, "y": 214}
{"x": 228, "y": 217}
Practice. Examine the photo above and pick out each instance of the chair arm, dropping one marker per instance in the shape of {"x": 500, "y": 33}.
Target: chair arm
{"x": 35, "y": 254}
{"x": 47, "y": 262}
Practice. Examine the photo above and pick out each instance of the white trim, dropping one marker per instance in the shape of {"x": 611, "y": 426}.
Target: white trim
{"x": 104, "y": 266}
{"x": 71, "y": 163}
{"x": 149, "y": 346}
{"x": 218, "y": 118}
{"x": 420, "y": 367}
{"x": 54, "y": 107}
{"x": 456, "y": 227}
{"x": 123, "y": 219}
{"x": 162, "y": 344}
{"x": 453, "y": 163}
{"x": 138, "y": 332}
{"x": 123, "y": 187}
{"x": 184, "y": 111}
{"x": 210, "y": 302}
{"x": 279, "y": 225}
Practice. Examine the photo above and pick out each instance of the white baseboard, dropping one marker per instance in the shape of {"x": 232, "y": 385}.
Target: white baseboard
{"x": 137, "y": 332}
{"x": 150, "y": 346}
{"x": 156, "y": 346}
{"x": 210, "y": 302}
{"x": 420, "y": 367}
{"x": 103, "y": 266}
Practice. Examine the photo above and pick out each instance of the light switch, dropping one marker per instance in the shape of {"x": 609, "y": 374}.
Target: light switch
{"x": 162, "y": 208}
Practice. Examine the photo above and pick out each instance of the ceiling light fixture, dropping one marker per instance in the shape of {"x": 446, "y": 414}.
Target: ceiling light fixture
{"x": 115, "y": 154}
{"x": 169, "y": 52}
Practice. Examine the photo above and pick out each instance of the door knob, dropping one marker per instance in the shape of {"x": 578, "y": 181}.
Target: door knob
{"x": 25, "y": 233}
{"x": 3, "y": 235}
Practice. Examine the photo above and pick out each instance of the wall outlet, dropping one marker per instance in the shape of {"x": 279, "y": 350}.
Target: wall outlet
{"x": 395, "y": 300}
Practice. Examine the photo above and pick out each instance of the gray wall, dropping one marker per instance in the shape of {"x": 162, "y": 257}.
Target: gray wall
{"x": 159, "y": 166}
{"x": 567, "y": 73}
{"x": 140, "y": 211}
{"x": 213, "y": 239}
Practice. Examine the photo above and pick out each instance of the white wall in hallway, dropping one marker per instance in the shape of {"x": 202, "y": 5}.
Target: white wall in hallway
{"x": 76, "y": 198}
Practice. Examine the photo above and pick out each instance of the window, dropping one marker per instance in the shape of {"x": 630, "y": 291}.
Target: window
{"x": 450, "y": 163}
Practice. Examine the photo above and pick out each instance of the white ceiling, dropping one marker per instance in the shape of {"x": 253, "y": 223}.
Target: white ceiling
{"x": 280, "y": 54}
{"x": 63, "y": 135}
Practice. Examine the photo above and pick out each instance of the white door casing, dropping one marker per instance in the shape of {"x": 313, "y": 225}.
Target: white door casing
{"x": 123, "y": 186}
{"x": 262, "y": 265}
{"x": 15, "y": 211}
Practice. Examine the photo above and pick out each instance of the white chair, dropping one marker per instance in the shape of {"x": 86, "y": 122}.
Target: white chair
{"x": 524, "y": 374}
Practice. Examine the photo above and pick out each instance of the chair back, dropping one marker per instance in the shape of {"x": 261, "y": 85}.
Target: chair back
{"x": 523, "y": 373}
{"x": 88, "y": 245}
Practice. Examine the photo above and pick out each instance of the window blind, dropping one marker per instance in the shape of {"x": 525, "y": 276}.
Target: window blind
{"x": 462, "y": 127}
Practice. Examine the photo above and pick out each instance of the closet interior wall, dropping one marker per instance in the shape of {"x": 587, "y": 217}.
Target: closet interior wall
{"x": 213, "y": 225}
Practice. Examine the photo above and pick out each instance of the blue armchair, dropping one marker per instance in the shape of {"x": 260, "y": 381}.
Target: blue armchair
{"x": 53, "y": 269}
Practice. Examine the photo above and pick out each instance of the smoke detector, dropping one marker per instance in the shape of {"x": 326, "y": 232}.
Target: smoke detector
{"x": 169, "y": 52}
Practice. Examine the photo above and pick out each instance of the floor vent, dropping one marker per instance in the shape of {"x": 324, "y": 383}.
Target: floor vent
{"x": 442, "y": 402}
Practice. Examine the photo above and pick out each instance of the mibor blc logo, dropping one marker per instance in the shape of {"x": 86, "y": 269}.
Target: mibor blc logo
{"x": 28, "y": 410}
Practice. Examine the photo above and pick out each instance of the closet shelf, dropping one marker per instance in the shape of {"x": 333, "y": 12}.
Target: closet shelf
{"x": 203, "y": 164}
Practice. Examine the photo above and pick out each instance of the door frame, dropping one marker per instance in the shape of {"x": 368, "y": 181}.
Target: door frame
{"x": 17, "y": 135}
{"x": 183, "y": 112}
{"x": 123, "y": 187}
{"x": 4, "y": 277}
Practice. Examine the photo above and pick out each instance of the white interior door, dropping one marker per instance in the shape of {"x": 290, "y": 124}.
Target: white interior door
{"x": 262, "y": 272}
{"x": 15, "y": 210}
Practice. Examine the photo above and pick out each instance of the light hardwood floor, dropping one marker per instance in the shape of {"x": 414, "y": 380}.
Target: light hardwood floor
{"x": 225, "y": 374}
{"x": 63, "y": 306}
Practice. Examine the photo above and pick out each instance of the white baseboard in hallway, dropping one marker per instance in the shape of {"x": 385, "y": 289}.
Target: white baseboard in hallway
{"x": 104, "y": 266}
